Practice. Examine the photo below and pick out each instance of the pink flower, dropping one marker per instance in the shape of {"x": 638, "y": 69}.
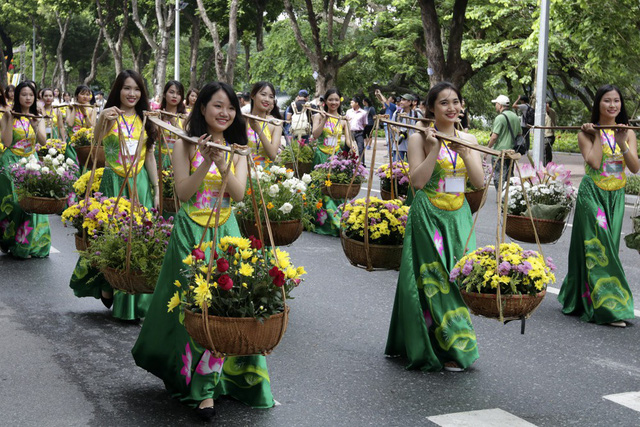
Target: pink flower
{"x": 23, "y": 232}
{"x": 322, "y": 216}
{"x": 601, "y": 218}
{"x": 438, "y": 241}
{"x": 203, "y": 199}
{"x": 187, "y": 358}
{"x": 209, "y": 364}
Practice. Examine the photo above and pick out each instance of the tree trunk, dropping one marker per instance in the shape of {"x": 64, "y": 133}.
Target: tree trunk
{"x": 194, "y": 43}
{"x": 6, "y": 51}
{"x": 247, "y": 65}
{"x": 95, "y": 58}
{"x": 260, "y": 6}
{"x": 63, "y": 27}
{"x": 115, "y": 44}
{"x": 225, "y": 72}
{"x": 206, "y": 67}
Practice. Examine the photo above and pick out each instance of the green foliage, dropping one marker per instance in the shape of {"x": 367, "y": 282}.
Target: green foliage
{"x": 633, "y": 186}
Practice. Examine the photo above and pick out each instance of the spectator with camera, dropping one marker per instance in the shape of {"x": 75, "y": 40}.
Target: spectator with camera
{"x": 405, "y": 115}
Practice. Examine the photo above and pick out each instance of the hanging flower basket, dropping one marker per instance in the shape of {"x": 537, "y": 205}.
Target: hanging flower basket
{"x": 169, "y": 204}
{"x": 81, "y": 243}
{"x": 384, "y": 194}
{"x": 83, "y": 153}
{"x": 341, "y": 191}
{"x": 132, "y": 282}
{"x": 382, "y": 256}
{"x": 42, "y": 205}
{"x": 302, "y": 168}
{"x": 513, "y": 306}
{"x": 238, "y": 336}
{"x": 284, "y": 232}
{"x": 520, "y": 228}
{"x": 474, "y": 198}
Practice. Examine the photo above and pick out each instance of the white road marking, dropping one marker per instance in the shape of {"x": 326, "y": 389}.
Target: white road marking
{"x": 630, "y": 400}
{"x": 54, "y": 250}
{"x": 484, "y": 418}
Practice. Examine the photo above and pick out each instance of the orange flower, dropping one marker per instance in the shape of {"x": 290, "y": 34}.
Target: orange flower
{"x": 269, "y": 205}
{"x": 319, "y": 204}
{"x": 249, "y": 191}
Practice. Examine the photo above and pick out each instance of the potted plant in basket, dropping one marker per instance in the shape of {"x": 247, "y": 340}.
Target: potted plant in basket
{"x": 551, "y": 197}
{"x": 397, "y": 174}
{"x": 56, "y": 144}
{"x": 285, "y": 198}
{"x": 43, "y": 186}
{"x": 168, "y": 195}
{"x": 336, "y": 174}
{"x": 80, "y": 186}
{"x": 81, "y": 140}
{"x": 521, "y": 275}
{"x": 130, "y": 255}
{"x": 387, "y": 220}
{"x": 243, "y": 294}
{"x": 297, "y": 156}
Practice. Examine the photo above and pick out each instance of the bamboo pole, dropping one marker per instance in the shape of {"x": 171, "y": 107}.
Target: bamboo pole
{"x": 167, "y": 113}
{"x": 269, "y": 120}
{"x": 416, "y": 119}
{"x": 29, "y": 115}
{"x": 73, "y": 105}
{"x": 315, "y": 110}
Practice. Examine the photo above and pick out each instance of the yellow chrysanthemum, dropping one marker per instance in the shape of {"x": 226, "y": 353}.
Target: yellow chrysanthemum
{"x": 188, "y": 260}
{"x": 173, "y": 302}
{"x": 246, "y": 270}
{"x": 177, "y": 283}
{"x": 202, "y": 294}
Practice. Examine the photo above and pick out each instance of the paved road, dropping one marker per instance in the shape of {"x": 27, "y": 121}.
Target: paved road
{"x": 65, "y": 362}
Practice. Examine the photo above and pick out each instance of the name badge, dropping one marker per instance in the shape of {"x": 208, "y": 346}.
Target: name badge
{"x": 132, "y": 145}
{"x": 48, "y": 131}
{"x": 454, "y": 184}
{"x": 613, "y": 166}
{"x": 331, "y": 141}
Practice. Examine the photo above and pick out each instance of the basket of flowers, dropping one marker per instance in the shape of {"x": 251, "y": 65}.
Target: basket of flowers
{"x": 82, "y": 142}
{"x": 51, "y": 144}
{"x": 550, "y": 195}
{"x": 510, "y": 286}
{"x": 378, "y": 245}
{"x": 234, "y": 302}
{"x": 169, "y": 199}
{"x": 298, "y": 157}
{"x": 91, "y": 217}
{"x": 341, "y": 176}
{"x": 147, "y": 236}
{"x": 43, "y": 187}
{"x": 284, "y": 197}
{"x": 474, "y": 197}
{"x": 397, "y": 175}
{"x": 80, "y": 186}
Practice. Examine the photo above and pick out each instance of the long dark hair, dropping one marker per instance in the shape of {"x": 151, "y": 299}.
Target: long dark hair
{"x": 432, "y": 96}
{"x": 621, "y": 118}
{"x": 8, "y": 89}
{"x": 83, "y": 88}
{"x": 3, "y": 100}
{"x": 181, "y": 108}
{"x": 16, "y": 98}
{"x": 327, "y": 94}
{"x": 141, "y": 105}
{"x": 189, "y": 92}
{"x": 257, "y": 88}
{"x": 196, "y": 125}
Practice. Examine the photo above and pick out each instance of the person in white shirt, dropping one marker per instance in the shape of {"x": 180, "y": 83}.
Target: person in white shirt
{"x": 357, "y": 121}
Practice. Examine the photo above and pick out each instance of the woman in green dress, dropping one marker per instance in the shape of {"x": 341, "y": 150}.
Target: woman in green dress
{"x": 596, "y": 287}
{"x": 172, "y": 97}
{"x": 164, "y": 348}
{"x": 123, "y": 114}
{"x": 264, "y": 138}
{"x": 431, "y": 325}
{"x": 54, "y": 123}
{"x": 328, "y": 132}
{"x": 78, "y": 117}
{"x": 21, "y": 234}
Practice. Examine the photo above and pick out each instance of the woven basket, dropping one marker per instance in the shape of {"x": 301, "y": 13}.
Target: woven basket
{"x": 238, "y": 336}
{"x": 42, "y": 205}
{"x": 474, "y": 198}
{"x": 302, "y": 168}
{"x": 519, "y": 228}
{"x": 284, "y": 232}
{"x": 169, "y": 204}
{"x": 382, "y": 256}
{"x": 341, "y": 191}
{"x": 81, "y": 243}
{"x": 513, "y": 306}
{"x": 132, "y": 283}
{"x": 83, "y": 153}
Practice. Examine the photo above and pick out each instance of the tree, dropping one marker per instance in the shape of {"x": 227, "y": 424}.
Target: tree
{"x": 112, "y": 17}
{"x": 224, "y": 69}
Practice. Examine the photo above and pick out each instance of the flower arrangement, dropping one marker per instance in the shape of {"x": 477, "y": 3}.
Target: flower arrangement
{"x": 82, "y": 137}
{"x": 93, "y": 217}
{"x": 56, "y": 144}
{"x": 80, "y": 186}
{"x": 399, "y": 171}
{"x": 285, "y": 196}
{"x": 245, "y": 280}
{"x": 387, "y": 220}
{"x": 517, "y": 271}
{"x": 167, "y": 183}
{"x": 53, "y": 177}
{"x": 148, "y": 240}
{"x": 549, "y": 190}
{"x": 339, "y": 169}
{"x": 297, "y": 150}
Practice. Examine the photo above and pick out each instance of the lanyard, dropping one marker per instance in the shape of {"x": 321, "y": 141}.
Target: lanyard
{"x": 126, "y": 125}
{"x": 454, "y": 159}
{"x": 606, "y": 138}
{"x": 332, "y": 126}
{"x": 25, "y": 130}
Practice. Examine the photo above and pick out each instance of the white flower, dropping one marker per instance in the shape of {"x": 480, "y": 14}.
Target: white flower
{"x": 23, "y": 161}
{"x": 44, "y": 169}
{"x": 48, "y": 157}
{"x": 286, "y": 208}
{"x": 289, "y": 174}
{"x": 274, "y": 190}
{"x": 306, "y": 178}
{"x": 69, "y": 162}
{"x": 52, "y": 152}
{"x": 60, "y": 171}
{"x": 60, "y": 158}
{"x": 55, "y": 162}
{"x": 301, "y": 186}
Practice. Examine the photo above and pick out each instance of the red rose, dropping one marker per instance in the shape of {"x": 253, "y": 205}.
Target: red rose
{"x": 278, "y": 276}
{"x": 274, "y": 271}
{"x": 231, "y": 251}
{"x": 197, "y": 253}
{"x": 215, "y": 255}
{"x": 222, "y": 265}
{"x": 255, "y": 243}
{"x": 225, "y": 282}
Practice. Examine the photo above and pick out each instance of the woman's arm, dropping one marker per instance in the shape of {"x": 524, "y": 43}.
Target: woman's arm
{"x": 91, "y": 117}
{"x": 62, "y": 129}
{"x": 590, "y": 146}
{"x": 626, "y": 140}
{"x": 71, "y": 116}
{"x": 152, "y": 170}
{"x": 41, "y": 132}
{"x": 471, "y": 158}
{"x": 318, "y": 124}
{"x": 7, "y": 129}
{"x": 423, "y": 149}
{"x": 270, "y": 146}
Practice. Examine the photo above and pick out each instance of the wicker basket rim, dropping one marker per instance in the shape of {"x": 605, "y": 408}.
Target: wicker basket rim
{"x": 521, "y": 218}
{"x": 57, "y": 199}
{"x": 238, "y": 319}
{"x": 119, "y": 271}
{"x": 371, "y": 245}
{"x": 508, "y": 296}
{"x": 289, "y": 221}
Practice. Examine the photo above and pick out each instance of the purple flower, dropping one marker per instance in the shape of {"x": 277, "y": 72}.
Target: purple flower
{"x": 468, "y": 267}
{"x": 504, "y": 268}
{"x": 524, "y": 268}
{"x": 454, "y": 274}
{"x": 550, "y": 264}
